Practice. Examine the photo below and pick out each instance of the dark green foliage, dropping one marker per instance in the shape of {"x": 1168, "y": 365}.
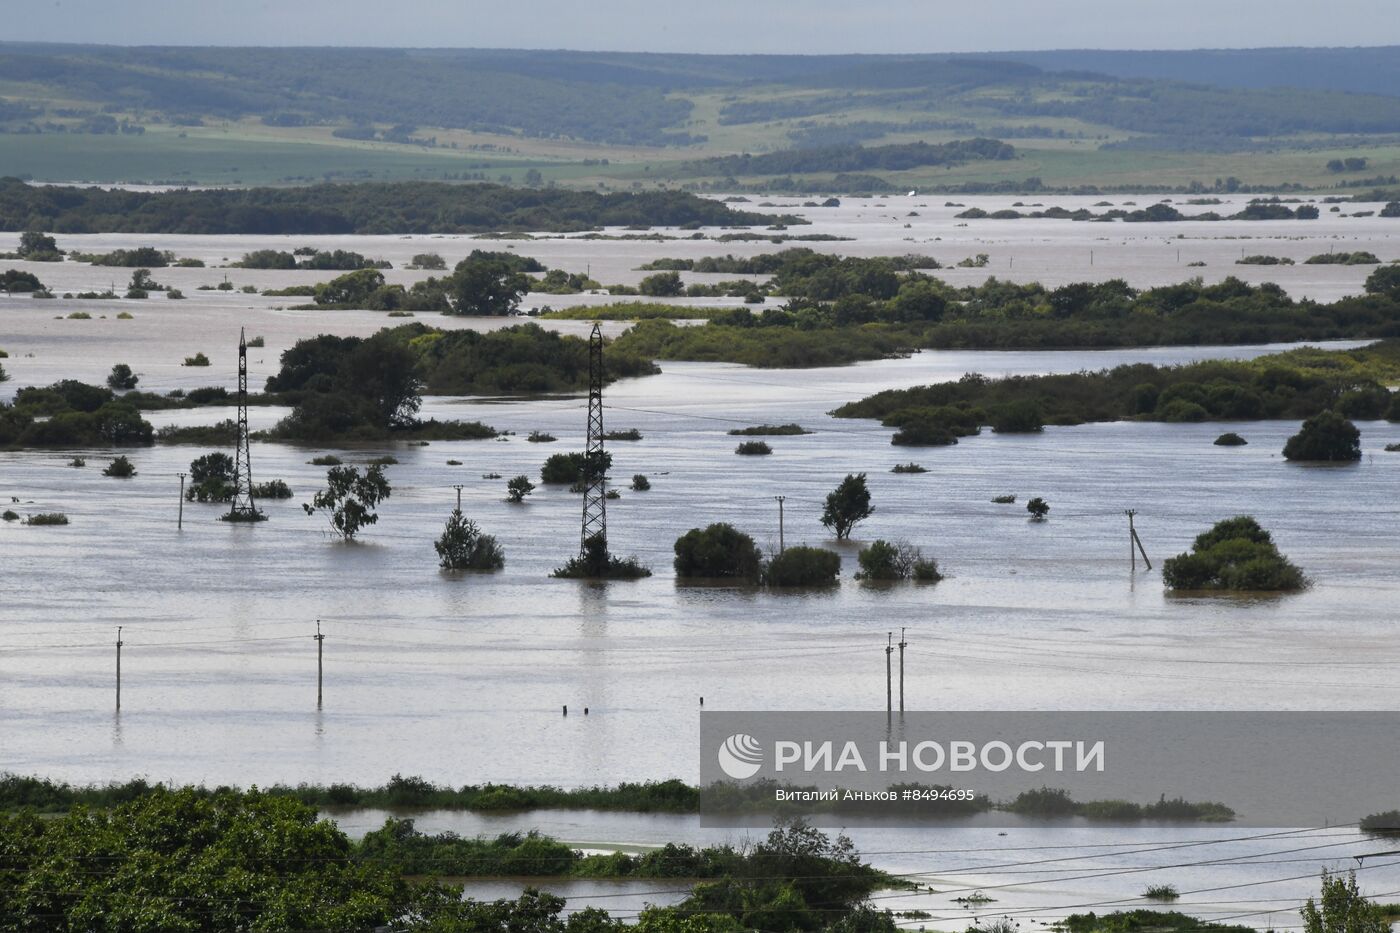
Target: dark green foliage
{"x": 1295, "y": 384}
{"x": 1006, "y": 499}
{"x": 597, "y": 563}
{"x": 199, "y": 359}
{"x": 370, "y": 208}
{"x": 211, "y": 478}
{"x": 1325, "y": 437}
{"x": 431, "y": 261}
{"x": 223, "y": 433}
{"x": 627, "y": 434}
{"x": 350, "y": 498}
{"x": 717, "y": 552}
{"x": 267, "y": 259}
{"x": 47, "y": 518}
{"x": 753, "y": 448}
{"x": 1019, "y": 417}
{"x": 767, "y": 430}
{"x": 846, "y": 505}
{"x": 16, "y": 280}
{"x": 1161, "y": 892}
{"x": 896, "y": 560}
{"x": 81, "y": 416}
{"x": 1384, "y": 281}
{"x": 1143, "y": 920}
{"x": 1236, "y": 554}
{"x": 924, "y": 432}
{"x": 208, "y": 861}
{"x": 523, "y": 359}
{"x": 1382, "y": 824}
{"x": 10, "y": 515}
{"x": 1055, "y": 802}
{"x": 353, "y": 289}
{"x": 541, "y": 437}
{"x": 35, "y": 246}
{"x": 463, "y": 546}
{"x": 662, "y": 285}
{"x": 1230, "y": 439}
{"x": 518, "y": 487}
{"x": 348, "y": 386}
{"x": 486, "y": 287}
{"x": 573, "y": 468}
{"x": 640, "y": 483}
{"x": 272, "y": 489}
{"x": 908, "y": 468}
{"x": 326, "y": 460}
{"x": 1358, "y": 258}
{"x": 1038, "y": 508}
{"x": 803, "y": 566}
{"x": 122, "y": 378}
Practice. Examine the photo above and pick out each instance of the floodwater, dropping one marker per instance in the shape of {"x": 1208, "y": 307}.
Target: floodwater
{"x": 461, "y": 678}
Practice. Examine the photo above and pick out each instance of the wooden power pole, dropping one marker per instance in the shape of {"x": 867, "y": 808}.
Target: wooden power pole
{"x": 119, "y": 668}
{"x": 902, "y": 645}
{"x": 889, "y": 680}
{"x": 320, "y": 643}
{"x": 1134, "y": 542}
{"x": 780, "y": 522}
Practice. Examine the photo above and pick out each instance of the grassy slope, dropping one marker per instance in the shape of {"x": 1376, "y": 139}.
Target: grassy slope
{"x": 248, "y": 152}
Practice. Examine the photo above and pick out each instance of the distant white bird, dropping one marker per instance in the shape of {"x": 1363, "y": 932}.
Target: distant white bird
{"x": 911, "y": 194}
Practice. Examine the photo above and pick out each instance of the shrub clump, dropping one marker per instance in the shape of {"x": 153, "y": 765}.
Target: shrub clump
{"x": 640, "y": 483}
{"x": 272, "y": 489}
{"x": 1230, "y": 439}
{"x": 1038, "y": 508}
{"x": 326, "y": 460}
{"x": 463, "y": 546}
{"x": 908, "y": 468}
{"x": 595, "y": 562}
{"x": 199, "y": 359}
{"x": 1326, "y": 437}
{"x": 770, "y": 430}
{"x": 1005, "y": 499}
{"x": 753, "y": 449}
{"x": 120, "y": 467}
{"x": 718, "y": 552}
{"x": 1236, "y": 554}
{"x": 803, "y": 566}
{"x": 896, "y": 560}
{"x": 47, "y": 518}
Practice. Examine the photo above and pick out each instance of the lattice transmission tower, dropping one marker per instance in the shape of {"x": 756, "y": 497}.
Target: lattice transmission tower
{"x": 595, "y": 502}
{"x": 243, "y": 509}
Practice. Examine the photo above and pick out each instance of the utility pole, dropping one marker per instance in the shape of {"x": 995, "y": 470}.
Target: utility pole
{"x": 889, "y": 681}
{"x": 320, "y": 642}
{"x": 119, "y": 668}
{"x": 902, "y": 645}
{"x": 780, "y": 522}
{"x": 1134, "y": 542}
{"x": 180, "y": 520}
{"x": 458, "y": 487}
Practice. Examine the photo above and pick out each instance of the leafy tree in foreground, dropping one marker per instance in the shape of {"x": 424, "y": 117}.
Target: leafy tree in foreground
{"x": 1325, "y": 437}
{"x": 350, "y": 498}
{"x": 121, "y": 377}
{"x": 846, "y": 505}
{"x": 717, "y": 552}
{"x": 463, "y": 546}
{"x": 1343, "y": 909}
{"x": 1236, "y": 554}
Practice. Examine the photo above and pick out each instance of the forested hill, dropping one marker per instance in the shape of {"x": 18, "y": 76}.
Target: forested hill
{"x": 403, "y": 207}
{"x": 1357, "y": 70}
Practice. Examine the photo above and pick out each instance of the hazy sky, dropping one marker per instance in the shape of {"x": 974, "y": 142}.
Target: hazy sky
{"x": 716, "y": 25}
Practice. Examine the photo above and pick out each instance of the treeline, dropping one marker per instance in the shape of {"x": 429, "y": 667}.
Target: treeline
{"x": 848, "y": 309}
{"x": 369, "y": 208}
{"x": 1296, "y": 384}
{"x": 854, "y": 158}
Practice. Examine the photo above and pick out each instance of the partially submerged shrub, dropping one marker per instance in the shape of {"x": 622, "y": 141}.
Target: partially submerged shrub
{"x": 803, "y": 566}
{"x": 10, "y": 515}
{"x": 47, "y": 518}
{"x": 272, "y": 489}
{"x": 907, "y": 468}
{"x": 326, "y": 460}
{"x": 630, "y": 434}
{"x": 595, "y": 562}
{"x": 518, "y": 487}
{"x": 640, "y": 483}
{"x": 1325, "y": 437}
{"x": 541, "y": 437}
{"x": 896, "y": 560}
{"x": 753, "y": 449}
{"x": 199, "y": 359}
{"x": 463, "y": 546}
{"x": 717, "y": 552}
{"x": 1236, "y": 554}
{"x": 1038, "y": 508}
{"x": 1006, "y": 499}
{"x": 120, "y": 467}
{"x": 770, "y": 430}
{"x": 1230, "y": 439}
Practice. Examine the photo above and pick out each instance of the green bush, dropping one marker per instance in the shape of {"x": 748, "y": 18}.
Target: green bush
{"x": 1230, "y": 439}
{"x": 907, "y": 468}
{"x": 753, "y": 449}
{"x": 640, "y": 483}
{"x": 518, "y": 487}
{"x": 120, "y": 467}
{"x": 47, "y": 518}
{"x": 803, "y": 566}
{"x": 896, "y": 560}
{"x": 1038, "y": 508}
{"x": 199, "y": 359}
{"x": 572, "y": 467}
{"x": 326, "y": 460}
{"x": 1019, "y": 417}
{"x": 717, "y": 552}
{"x": 1236, "y": 554}
{"x": 1325, "y": 437}
{"x": 272, "y": 489}
{"x": 463, "y": 546}
{"x": 770, "y": 430}
{"x": 595, "y": 562}
{"x": 924, "y": 434}
{"x": 10, "y": 515}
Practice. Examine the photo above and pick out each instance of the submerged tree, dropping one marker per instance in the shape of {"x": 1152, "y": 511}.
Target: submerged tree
{"x": 896, "y": 560}
{"x": 121, "y": 377}
{"x": 1325, "y": 437}
{"x": 350, "y": 498}
{"x": 518, "y": 487}
{"x": 1038, "y": 508}
{"x": 211, "y": 478}
{"x": 1236, "y": 554}
{"x": 718, "y": 552}
{"x": 463, "y": 546}
{"x": 846, "y": 505}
